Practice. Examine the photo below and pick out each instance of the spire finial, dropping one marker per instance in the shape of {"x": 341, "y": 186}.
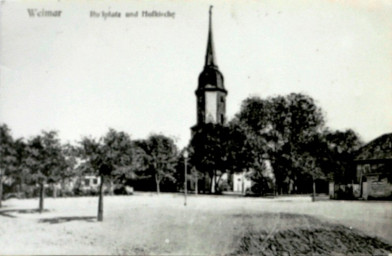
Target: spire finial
{"x": 210, "y": 58}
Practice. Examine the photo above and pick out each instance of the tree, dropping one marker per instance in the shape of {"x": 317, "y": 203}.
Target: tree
{"x": 217, "y": 149}
{"x": 159, "y": 158}
{"x": 251, "y": 149}
{"x": 193, "y": 175}
{"x": 120, "y": 156}
{"x": 21, "y": 174}
{"x": 262, "y": 178}
{"x": 109, "y": 157}
{"x": 295, "y": 120}
{"x": 209, "y": 152}
{"x": 70, "y": 153}
{"x": 342, "y": 146}
{"x": 265, "y": 130}
{"x": 313, "y": 162}
{"x": 7, "y": 156}
{"x": 278, "y": 128}
{"x": 45, "y": 161}
{"x": 242, "y": 151}
{"x": 92, "y": 153}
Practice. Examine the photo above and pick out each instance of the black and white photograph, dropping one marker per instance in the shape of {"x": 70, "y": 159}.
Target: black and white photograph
{"x": 196, "y": 127}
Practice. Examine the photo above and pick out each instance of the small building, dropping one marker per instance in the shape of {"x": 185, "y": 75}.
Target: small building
{"x": 90, "y": 182}
{"x": 374, "y": 168}
{"x": 241, "y": 182}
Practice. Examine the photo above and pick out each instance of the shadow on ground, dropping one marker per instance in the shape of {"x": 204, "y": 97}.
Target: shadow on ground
{"x": 9, "y": 213}
{"x": 59, "y": 220}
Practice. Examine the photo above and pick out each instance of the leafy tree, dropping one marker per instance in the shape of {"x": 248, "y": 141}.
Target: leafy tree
{"x": 159, "y": 158}
{"x": 7, "y": 156}
{"x": 262, "y": 179}
{"x": 313, "y": 162}
{"x": 295, "y": 120}
{"x": 209, "y": 152}
{"x": 21, "y": 174}
{"x": 242, "y": 150}
{"x": 264, "y": 130}
{"x": 217, "y": 149}
{"x": 45, "y": 161}
{"x": 91, "y": 151}
{"x": 252, "y": 153}
{"x": 120, "y": 156}
{"x": 110, "y": 157}
{"x": 342, "y": 146}
{"x": 194, "y": 176}
{"x": 278, "y": 129}
{"x": 70, "y": 153}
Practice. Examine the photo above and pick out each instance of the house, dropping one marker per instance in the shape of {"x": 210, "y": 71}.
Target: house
{"x": 90, "y": 183}
{"x": 374, "y": 168}
{"x": 241, "y": 182}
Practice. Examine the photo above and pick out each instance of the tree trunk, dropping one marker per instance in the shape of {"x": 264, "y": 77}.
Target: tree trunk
{"x": 41, "y": 197}
{"x": 22, "y": 185}
{"x": 110, "y": 187}
{"x": 62, "y": 188}
{"x": 314, "y": 191}
{"x": 157, "y": 182}
{"x": 360, "y": 185}
{"x": 54, "y": 191}
{"x": 217, "y": 182}
{"x": 196, "y": 185}
{"x": 213, "y": 183}
{"x": 100, "y": 200}
{"x": 1, "y": 188}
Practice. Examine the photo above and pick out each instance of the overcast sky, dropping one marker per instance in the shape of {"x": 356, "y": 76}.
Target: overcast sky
{"x": 80, "y": 75}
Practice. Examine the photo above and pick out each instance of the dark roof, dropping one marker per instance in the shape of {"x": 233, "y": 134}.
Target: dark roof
{"x": 378, "y": 149}
{"x": 212, "y": 77}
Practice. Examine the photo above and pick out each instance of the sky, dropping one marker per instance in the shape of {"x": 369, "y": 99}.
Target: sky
{"x": 81, "y": 75}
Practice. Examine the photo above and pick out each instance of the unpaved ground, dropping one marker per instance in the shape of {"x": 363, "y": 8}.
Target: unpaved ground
{"x": 150, "y": 224}
{"x": 308, "y": 235}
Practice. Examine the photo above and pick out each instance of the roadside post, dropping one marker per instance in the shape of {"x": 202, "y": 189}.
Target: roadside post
{"x": 185, "y": 174}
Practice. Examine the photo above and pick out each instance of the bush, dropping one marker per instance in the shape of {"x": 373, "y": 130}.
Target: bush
{"x": 263, "y": 186}
{"x": 123, "y": 190}
{"x": 224, "y": 186}
{"x": 66, "y": 193}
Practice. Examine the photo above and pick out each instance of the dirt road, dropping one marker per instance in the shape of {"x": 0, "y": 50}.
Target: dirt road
{"x": 150, "y": 224}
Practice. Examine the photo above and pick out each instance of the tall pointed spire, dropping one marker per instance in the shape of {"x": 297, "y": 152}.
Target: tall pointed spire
{"x": 210, "y": 76}
{"x": 210, "y": 93}
{"x": 210, "y": 56}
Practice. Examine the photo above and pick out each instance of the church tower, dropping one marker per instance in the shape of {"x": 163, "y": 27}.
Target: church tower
{"x": 211, "y": 93}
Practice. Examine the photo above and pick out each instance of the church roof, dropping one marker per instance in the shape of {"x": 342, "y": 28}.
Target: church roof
{"x": 378, "y": 149}
{"x": 210, "y": 77}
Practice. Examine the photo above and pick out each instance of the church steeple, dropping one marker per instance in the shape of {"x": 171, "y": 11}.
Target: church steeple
{"x": 211, "y": 93}
{"x": 210, "y": 76}
{"x": 210, "y": 55}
